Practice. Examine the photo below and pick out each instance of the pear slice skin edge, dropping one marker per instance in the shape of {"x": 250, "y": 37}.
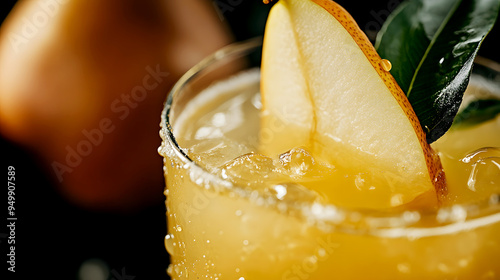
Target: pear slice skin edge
{"x": 433, "y": 163}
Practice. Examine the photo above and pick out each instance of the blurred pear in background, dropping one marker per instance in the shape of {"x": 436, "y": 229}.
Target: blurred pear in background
{"x": 82, "y": 85}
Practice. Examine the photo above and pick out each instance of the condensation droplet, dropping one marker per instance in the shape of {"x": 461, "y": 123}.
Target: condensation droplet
{"x": 386, "y": 65}
{"x": 170, "y": 269}
{"x": 169, "y": 243}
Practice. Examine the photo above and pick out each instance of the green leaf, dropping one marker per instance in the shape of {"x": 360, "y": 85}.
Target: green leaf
{"x": 432, "y": 45}
{"x": 476, "y": 112}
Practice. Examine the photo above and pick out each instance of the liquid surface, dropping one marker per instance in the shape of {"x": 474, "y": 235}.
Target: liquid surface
{"x": 221, "y": 133}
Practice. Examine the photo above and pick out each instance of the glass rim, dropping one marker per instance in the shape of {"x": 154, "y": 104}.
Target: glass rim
{"x": 376, "y": 222}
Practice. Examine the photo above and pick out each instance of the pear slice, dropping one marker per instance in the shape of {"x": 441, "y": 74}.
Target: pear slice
{"x": 325, "y": 87}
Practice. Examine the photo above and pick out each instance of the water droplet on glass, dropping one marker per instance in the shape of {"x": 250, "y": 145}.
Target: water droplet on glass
{"x": 170, "y": 269}
{"x": 169, "y": 243}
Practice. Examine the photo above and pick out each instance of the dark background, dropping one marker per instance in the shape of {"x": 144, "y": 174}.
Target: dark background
{"x": 54, "y": 238}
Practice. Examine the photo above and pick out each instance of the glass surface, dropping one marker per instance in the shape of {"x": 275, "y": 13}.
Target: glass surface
{"x": 221, "y": 230}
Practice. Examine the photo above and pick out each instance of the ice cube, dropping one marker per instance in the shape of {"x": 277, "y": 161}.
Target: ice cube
{"x": 485, "y": 174}
{"x": 213, "y": 153}
{"x": 298, "y": 163}
{"x": 484, "y": 177}
{"x": 249, "y": 169}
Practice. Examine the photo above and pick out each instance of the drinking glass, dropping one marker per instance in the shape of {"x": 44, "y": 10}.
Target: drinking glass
{"x": 220, "y": 230}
